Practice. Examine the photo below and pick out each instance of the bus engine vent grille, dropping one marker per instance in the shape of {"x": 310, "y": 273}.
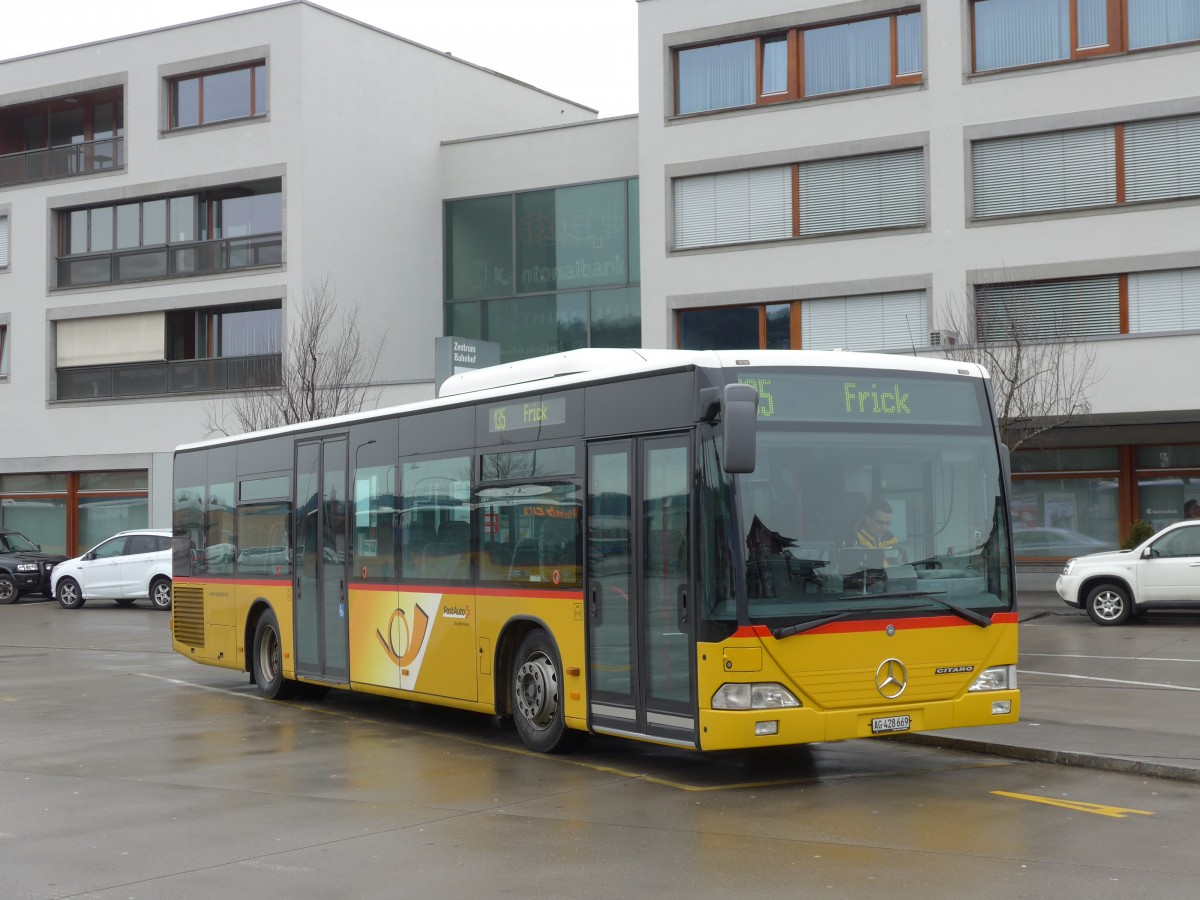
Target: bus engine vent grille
{"x": 188, "y": 614}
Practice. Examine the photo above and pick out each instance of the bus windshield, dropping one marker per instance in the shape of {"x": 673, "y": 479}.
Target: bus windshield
{"x": 874, "y": 513}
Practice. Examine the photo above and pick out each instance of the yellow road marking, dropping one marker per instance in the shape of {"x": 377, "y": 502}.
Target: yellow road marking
{"x": 1099, "y": 809}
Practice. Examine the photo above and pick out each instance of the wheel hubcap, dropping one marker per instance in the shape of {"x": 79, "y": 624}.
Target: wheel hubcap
{"x": 268, "y": 656}
{"x": 537, "y": 691}
{"x": 1108, "y": 605}
{"x": 6, "y": 591}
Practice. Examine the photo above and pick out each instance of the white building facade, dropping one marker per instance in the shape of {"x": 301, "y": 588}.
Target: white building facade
{"x": 870, "y": 175}
{"x": 166, "y": 200}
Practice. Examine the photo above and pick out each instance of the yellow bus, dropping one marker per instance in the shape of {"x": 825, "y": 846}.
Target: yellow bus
{"x": 709, "y": 550}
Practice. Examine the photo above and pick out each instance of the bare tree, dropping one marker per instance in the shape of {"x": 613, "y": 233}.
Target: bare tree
{"x": 1042, "y": 370}
{"x": 324, "y": 371}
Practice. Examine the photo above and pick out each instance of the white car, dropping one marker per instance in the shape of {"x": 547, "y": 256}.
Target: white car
{"x": 128, "y": 566}
{"x": 1162, "y": 572}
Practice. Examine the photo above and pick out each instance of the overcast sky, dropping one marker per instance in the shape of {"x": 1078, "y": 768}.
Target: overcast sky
{"x": 584, "y": 50}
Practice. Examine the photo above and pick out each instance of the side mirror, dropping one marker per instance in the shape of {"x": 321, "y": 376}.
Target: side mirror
{"x": 739, "y": 415}
{"x": 89, "y": 556}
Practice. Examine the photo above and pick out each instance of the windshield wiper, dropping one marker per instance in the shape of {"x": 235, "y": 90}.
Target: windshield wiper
{"x": 961, "y": 611}
{"x": 788, "y": 630}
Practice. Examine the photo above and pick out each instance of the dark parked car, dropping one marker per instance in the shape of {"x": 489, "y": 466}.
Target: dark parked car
{"x": 24, "y": 568}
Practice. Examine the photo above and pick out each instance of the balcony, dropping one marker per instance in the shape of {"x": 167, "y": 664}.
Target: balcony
{"x": 171, "y": 261}
{"x": 184, "y": 376}
{"x": 32, "y": 166}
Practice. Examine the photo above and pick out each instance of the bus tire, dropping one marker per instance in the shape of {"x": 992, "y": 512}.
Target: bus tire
{"x": 536, "y": 693}
{"x": 268, "y": 660}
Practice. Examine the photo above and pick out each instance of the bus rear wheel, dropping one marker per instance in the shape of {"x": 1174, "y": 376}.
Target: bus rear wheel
{"x": 268, "y": 660}
{"x": 537, "y": 696}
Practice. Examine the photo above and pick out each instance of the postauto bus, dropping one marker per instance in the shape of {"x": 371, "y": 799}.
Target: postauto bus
{"x": 669, "y": 546}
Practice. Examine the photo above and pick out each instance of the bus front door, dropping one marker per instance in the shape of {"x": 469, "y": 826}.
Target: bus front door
{"x": 320, "y": 609}
{"x": 640, "y": 622}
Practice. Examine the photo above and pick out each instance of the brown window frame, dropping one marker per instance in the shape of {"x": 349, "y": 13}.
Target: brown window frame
{"x": 1118, "y": 39}
{"x": 257, "y": 104}
{"x": 795, "y": 60}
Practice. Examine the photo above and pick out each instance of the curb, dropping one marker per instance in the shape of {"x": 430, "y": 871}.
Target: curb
{"x": 1120, "y": 764}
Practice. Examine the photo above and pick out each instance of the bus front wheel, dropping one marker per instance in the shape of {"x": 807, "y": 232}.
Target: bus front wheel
{"x": 268, "y": 660}
{"x": 537, "y": 696}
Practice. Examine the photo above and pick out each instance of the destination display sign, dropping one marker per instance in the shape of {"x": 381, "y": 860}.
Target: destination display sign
{"x": 877, "y": 398}
{"x": 533, "y": 412}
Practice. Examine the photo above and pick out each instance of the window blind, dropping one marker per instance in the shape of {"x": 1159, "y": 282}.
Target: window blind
{"x": 1048, "y": 309}
{"x": 892, "y": 321}
{"x": 3, "y": 242}
{"x": 1162, "y": 159}
{"x": 880, "y": 191}
{"x": 1164, "y": 301}
{"x": 104, "y": 340}
{"x": 1042, "y": 172}
{"x": 733, "y": 207}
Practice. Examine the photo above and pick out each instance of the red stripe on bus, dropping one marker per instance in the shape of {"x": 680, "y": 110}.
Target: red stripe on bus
{"x": 873, "y": 625}
{"x": 465, "y": 589}
{"x": 262, "y": 582}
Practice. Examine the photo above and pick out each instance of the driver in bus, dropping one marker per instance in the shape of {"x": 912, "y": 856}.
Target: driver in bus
{"x": 874, "y": 529}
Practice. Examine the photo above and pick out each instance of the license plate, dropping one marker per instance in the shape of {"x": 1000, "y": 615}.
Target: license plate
{"x": 890, "y": 724}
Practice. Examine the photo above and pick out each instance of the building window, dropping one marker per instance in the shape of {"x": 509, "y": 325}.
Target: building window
{"x": 1010, "y": 33}
{"x": 3, "y": 242}
{"x": 832, "y": 196}
{"x": 545, "y": 271}
{"x": 1046, "y": 310}
{"x": 61, "y": 137}
{"x": 181, "y": 351}
{"x": 1164, "y": 301}
{"x": 1156, "y": 23}
{"x": 218, "y": 96}
{"x": 3, "y": 350}
{"x": 807, "y": 61}
{"x": 220, "y": 230}
{"x": 1111, "y": 165}
{"x": 1132, "y": 303}
{"x": 891, "y": 321}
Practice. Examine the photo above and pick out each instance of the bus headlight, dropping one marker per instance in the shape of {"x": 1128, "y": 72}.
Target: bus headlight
{"x": 997, "y": 678}
{"x": 764, "y": 695}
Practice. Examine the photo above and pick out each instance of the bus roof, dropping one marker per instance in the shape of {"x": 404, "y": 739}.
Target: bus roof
{"x": 577, "y": 367}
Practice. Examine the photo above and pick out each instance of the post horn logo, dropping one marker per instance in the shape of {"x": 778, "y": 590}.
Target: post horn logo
{"x": 413, "y": 637}
{"x": 891, "y": 678}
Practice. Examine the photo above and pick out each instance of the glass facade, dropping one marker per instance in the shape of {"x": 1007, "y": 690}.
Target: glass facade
{"x": 71, "y": 512}
{"x": 545, "y": 271}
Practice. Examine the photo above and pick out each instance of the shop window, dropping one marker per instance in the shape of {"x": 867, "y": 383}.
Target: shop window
{"x": 1058, "y": 518}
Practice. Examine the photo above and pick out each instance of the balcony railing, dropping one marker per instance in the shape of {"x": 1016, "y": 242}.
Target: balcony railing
{"x": 185, "y": 376}
{"x": 62, "y": 162}
{"x": 171, "y": 260}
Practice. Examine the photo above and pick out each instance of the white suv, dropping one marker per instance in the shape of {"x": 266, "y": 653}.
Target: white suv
{"x": 1163, "y": 572}
{"x": 128, "y": 566}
